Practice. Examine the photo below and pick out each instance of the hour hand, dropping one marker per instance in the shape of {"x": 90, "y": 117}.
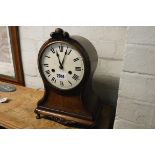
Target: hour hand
{"x": 61, "y": 66}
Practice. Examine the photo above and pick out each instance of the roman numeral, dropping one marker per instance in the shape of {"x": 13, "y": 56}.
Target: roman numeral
{"x": 75, "y": 77}
{"x": 70, "y": 83}
{"x": 52, "y": 49}
{"x": 69, "y": 52}
{"x": 53, "y": 80}
{"x": 76, "y": 59}
{"x": 66, "y": 48}
{"x": 61, "y": 83}
{"x": 48, "y": 72}
{"x": 46, "y": 65}
{"x": 61, "y": 48}
{"x": 78, "y": 68}
{"x": 47, "y": 56}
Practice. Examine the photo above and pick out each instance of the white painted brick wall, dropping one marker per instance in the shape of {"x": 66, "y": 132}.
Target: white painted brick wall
{"x": 124, "y": 124}
{"x": 108, "y": 41}
{"x": 108, "y": 67}
{"x": 30, "y": 63}
{"x": 136, "y": 101}
{"x": 140, "y": 59}
{"x": 135, "y": 111}
{"x": 138, "y": 86}
{"x": 141, "y": 35}
{"x": 34, "y": 82}
{"x": 32, "y": 32}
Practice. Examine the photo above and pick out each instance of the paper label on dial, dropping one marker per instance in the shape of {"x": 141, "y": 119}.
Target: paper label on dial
{"x": 61, "y": 76}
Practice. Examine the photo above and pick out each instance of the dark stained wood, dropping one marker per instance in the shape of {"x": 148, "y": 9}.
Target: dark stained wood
{"x": 16, "y": 55}
{"x": 66, "y": 103}
{"x": 78, "y": 106}
{"x": 68, "y": 110}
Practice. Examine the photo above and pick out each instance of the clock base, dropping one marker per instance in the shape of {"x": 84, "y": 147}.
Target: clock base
{"x": 64, "y": 119}
{"x": 61, "y": 111}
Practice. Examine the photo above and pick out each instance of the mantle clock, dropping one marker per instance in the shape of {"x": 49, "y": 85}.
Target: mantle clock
{"x": 66, "y": 65}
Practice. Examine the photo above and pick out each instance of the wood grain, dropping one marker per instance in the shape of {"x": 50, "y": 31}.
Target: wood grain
{"x": 19, "y": 111}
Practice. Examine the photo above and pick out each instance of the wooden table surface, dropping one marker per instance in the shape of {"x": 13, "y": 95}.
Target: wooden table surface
{"x": 18, "y": 112}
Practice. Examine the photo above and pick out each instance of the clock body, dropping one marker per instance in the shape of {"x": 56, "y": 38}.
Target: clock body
{"x": 66, "y": 65}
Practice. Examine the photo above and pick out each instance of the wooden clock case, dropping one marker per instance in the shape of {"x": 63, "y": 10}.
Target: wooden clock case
{"x": 79, "y": 106}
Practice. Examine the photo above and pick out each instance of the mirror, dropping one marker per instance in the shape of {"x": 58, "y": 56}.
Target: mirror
{"x": 11, "y": 69}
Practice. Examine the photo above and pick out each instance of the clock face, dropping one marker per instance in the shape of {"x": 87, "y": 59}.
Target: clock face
{"x": 62, "y": 65}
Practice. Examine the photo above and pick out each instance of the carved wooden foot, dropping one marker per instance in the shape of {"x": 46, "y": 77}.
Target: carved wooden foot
{"x": 38, "y": 116}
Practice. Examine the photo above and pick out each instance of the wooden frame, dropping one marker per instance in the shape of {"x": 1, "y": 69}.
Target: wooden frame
{"x": 16, "y": 56}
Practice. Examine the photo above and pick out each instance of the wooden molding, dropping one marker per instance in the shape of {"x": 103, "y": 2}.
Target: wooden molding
{"x": 16, "y": 56}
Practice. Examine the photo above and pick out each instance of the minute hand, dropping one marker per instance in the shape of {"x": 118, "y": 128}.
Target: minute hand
{"x": 64, "y": 58}
{"x": 61, "y": 66}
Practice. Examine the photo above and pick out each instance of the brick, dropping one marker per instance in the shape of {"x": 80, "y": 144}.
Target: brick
{"x": 34, "y": 82}
{"x": 89, "y": 32}
{"x": 29, "y": 60}
{"x": 140, "y": 58}
{"x": 108, "y": 41}
{"x": 108, "y": 67}
{"x": 115, "y": 33}
{"x": 106, "y": 49}
{"x": 123, "y": 124}
{"x": 120, "y": 49}
{"x": 153, "y": 121}
{"x": 105, "y": 81}
{"x": 31, "y": 32}
{"x": 109, "y": 49}
{"x": 138, "y": 86}
{"x": 29, "y": 45}
{"x": 141, "y": 35}
{"x": 39, "y": 44}
{"x": 135, "y": 111}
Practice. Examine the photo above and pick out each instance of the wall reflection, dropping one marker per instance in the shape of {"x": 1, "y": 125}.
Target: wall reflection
{"x": 6, "y": 62}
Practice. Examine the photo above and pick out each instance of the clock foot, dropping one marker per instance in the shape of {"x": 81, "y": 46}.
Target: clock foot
{"x": 38, "y": 116}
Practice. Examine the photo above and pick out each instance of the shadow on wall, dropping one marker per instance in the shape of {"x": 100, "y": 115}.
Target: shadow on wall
{"x": 107, "y": 89}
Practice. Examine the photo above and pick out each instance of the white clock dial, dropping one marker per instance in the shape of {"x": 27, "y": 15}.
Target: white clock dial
{"x": 62, "y": 65}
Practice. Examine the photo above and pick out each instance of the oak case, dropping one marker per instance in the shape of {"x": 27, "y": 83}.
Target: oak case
{"x": 78, "y": 106}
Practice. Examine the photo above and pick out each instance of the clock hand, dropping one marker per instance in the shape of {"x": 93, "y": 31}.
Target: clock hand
{"x": 64, "y": 58}
{"x": 61, "y": 66}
